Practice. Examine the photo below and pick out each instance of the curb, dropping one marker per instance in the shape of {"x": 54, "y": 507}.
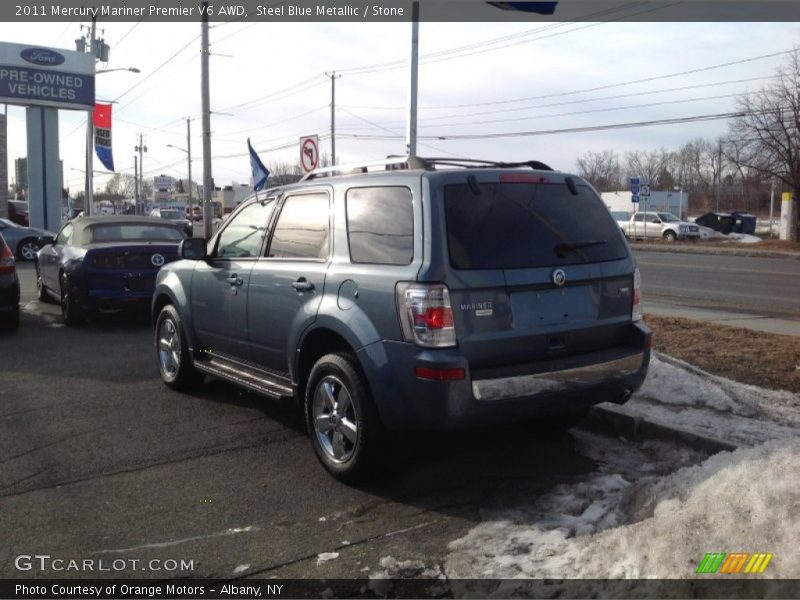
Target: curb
{"x": 607, "y": 420}
{"x": 715, "y": 250}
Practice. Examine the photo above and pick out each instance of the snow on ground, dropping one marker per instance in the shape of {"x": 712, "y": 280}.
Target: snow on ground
{"x": 742, "y": 501}
{"x": 744, "y": 238}
{"x": 679, "y": 395}
{"x": 630, "y": 521}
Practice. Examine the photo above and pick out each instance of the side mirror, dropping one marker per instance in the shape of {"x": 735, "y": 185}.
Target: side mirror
{"x": 193, "y": 249}
{"x": 46, "y": 240}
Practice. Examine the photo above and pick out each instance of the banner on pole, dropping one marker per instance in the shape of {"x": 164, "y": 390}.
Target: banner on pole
{"x": 101, "y": 118}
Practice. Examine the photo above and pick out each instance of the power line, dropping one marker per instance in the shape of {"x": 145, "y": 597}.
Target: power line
{"x": 154, "y": 71}
{"x": 483, "y": 136}
{"x": 584, "y": 112}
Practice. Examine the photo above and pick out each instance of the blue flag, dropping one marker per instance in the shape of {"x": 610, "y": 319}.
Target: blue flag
{"x": 543, "y": 8}
{"x": 260, "y": 172}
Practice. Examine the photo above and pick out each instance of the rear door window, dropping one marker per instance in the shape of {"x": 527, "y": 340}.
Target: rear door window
{"x": 380, "y": 225}
{"x": 303, "y": 228}
{"x": 521, "y": 225}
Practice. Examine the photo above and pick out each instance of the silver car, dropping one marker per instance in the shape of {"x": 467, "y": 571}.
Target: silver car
{"x": 23, "y": 241}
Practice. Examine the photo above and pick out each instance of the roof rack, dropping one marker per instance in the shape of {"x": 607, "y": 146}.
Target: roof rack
{"x": 417, "y": 162}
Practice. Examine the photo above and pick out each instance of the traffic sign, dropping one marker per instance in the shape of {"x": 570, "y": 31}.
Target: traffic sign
{"x": 634, "y": 198}
{"x": 645, "y": 190}
{"x": 309, "y": 152}
{"x": 634, "y": 189}
{"x": 634, "y": 181}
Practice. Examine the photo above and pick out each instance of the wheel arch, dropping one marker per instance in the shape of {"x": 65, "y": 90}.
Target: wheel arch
{"x": 315, "y": 344}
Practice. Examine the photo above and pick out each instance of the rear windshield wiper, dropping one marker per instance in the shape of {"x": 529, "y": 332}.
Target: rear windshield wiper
{"x": 563, "y": 247}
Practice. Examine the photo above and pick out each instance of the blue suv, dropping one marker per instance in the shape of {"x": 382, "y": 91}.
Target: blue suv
{"x": 425, "y": 294}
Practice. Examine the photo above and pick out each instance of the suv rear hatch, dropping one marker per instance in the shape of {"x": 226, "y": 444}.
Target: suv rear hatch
{"x": 535, "y": 265}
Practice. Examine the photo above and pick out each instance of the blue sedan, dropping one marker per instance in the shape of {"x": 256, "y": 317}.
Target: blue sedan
{"x": 98, "y": 263}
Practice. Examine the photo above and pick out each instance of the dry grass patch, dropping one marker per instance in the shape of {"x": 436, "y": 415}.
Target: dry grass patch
{"x": 763, "y": 359}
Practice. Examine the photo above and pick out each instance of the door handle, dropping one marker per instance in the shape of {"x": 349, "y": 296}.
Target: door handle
{"x": 235, "y": 280}
{"x": 303, "y": 285}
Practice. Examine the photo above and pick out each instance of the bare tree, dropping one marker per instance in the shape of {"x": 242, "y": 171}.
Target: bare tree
{"x": 601, "y": 169}
{"x": 647, "y": 165}
{"x": 768, "y": 130}
{"x": 120, "y": 186}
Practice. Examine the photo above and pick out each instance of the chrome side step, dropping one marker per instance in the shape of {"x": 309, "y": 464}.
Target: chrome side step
{"x": 254, "y": 380}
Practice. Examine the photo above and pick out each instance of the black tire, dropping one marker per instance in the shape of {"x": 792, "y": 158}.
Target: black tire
{"x": 355, "y": 434}
{"x": 669, "y": 236}
{"x": 27, "y": 249}
{"x": 41, "y": 291}
{"x": 172, "y": 352}
{"x": 71, "y": 313}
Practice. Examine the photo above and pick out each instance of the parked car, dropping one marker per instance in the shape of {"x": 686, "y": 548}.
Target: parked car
{"x": 659, "y": 225}
{"x": 435, "y": 297}
{"x": 176, "y": 216}
{"x": 9, "y": 288}
{"x": 621, "y": 217}
{"x": 18, "y": 212}
{"x": 104, "y": 262}
{"x": 23, "y": 241}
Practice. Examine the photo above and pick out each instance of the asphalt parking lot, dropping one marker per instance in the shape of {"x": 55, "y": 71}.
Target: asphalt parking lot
{"x": 100, "y": 460}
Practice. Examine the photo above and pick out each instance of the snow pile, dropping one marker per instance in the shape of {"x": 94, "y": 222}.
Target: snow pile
{"x": 744, "y": 238}
{"x": 627, "y": 521}
{"x": 679, "y": 395}
{"x": 742, "y": 501}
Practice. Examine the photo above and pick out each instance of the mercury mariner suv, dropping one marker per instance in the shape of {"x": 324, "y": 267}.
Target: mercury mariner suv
{"x": 407, "y": 294}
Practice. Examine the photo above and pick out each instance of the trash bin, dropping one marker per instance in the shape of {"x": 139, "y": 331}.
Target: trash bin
{"x": 743, "y": 222}
{"x": 721, "y": 222}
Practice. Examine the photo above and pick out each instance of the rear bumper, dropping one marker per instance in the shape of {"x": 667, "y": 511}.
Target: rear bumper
{"x": 526, "y": 386}
{"x": 405, "y": 401}
{"x": 124, "y": 289}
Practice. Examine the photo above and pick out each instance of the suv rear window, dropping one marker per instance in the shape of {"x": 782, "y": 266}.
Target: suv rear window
{"x": 519, "y": 225}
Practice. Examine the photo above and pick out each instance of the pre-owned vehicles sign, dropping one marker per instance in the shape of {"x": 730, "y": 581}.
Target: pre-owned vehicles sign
{"x": 36, "y": 76}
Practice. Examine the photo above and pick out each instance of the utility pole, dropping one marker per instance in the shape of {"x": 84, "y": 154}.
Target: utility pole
{"x": 771, "y": 204}
{"x": 411, "y": 129}
{"x": 208, "y": 182}
{"x": 89, "y": 193}
{"x": 141, "y": 148}
{"x": 135, "y": 183}
{"x": 719, "y": 176}
{"x": 333, "y": 77}
{"x": 189, "y": 154}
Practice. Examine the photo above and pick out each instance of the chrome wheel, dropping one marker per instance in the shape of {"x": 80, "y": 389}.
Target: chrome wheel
{"x": 335, "y": 419}
{"x": 169, "y": 348}
{"x": 28, "y": 249}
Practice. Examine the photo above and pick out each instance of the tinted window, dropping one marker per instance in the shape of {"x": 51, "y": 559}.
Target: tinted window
{"x": 302, "y": 228}
{"x": 172, "y": 214}
{"x": 124, "y": 232}
{"x": 639, "y": 217}
{"x": 516, "y": 225}
{"x": 244, "y": 232}
{"x": 380, "y": 225}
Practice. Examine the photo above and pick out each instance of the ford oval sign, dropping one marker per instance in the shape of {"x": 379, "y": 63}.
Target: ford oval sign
{"x": 42, "y": 56}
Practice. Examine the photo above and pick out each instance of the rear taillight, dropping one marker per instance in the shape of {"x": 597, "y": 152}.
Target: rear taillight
{"x": 425, "y": 314}
{"x": 636, "y": 310}
{"x": 6, "y": 260}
